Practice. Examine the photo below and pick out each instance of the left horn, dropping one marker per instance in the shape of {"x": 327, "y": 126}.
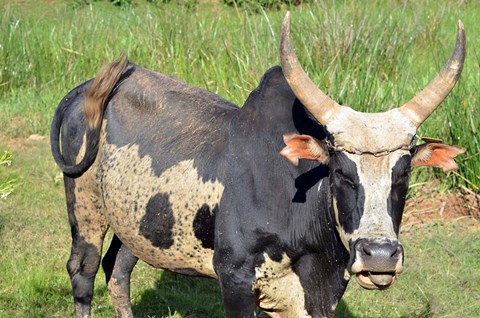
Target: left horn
{"x": 425, "y": 102}
{"x": 322, "y": 107}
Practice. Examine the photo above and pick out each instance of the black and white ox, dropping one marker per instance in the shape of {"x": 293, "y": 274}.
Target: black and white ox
{"x": 193, "y": 184}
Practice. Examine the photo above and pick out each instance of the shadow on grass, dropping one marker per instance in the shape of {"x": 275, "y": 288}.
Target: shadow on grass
{"x": 183, "y": 295}
{"x": 194, "y": 297}
{"x": 191, "y": 297}
{"x": 342, "y": 310}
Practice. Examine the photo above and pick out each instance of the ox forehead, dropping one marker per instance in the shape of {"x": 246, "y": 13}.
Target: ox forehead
{"x": 371, "y": 132}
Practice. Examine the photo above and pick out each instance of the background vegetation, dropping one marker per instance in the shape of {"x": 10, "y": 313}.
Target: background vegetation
{"x": 371, "y": 55}
{"x": 7, "y": 184}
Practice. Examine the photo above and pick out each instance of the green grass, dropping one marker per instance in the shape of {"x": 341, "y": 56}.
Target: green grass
{"x": 440, "y": 280}
{"x": 370, "y": 55}
{"x": 7, "y": 184}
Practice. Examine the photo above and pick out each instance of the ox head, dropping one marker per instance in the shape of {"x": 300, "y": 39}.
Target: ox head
{"x": 370, "y": 156}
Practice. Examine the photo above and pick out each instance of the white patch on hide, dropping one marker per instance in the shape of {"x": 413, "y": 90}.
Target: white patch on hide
{"x": 128, "y": 182}
{"x": 281, "y": 293}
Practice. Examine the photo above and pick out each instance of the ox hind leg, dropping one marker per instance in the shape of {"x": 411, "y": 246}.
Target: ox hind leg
{"x": 118, "y": 264}
{"x": 88, "y": 227}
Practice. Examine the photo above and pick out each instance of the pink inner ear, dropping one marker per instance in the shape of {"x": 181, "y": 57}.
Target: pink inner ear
{"x": 302, "y": 147}
{"x": 437, "y": 155}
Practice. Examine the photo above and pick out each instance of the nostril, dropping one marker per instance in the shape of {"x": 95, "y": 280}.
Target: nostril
{"x": 395, "y": 252}
{"x": 367, "y": 250}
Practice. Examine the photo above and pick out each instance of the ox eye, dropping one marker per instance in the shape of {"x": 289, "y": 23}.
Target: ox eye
{"x": 402, "y": 176}
{"x": 401, "y": 170}
{"x": 346, "y": 179}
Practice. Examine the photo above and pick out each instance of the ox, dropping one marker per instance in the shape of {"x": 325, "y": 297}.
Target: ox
{"x": 190, "y": 183}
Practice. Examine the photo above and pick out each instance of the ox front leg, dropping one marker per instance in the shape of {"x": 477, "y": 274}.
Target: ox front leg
{"x": 236, "y": 281}
{"x": 118, "y": 265}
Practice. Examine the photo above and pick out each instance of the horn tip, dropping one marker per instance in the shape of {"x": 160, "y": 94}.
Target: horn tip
{"x": 286, "y": 21}
{"x": 460, "y": 45}
{"x": 285, "y": 33}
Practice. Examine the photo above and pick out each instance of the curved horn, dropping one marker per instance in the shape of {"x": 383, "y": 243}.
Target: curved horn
{"x": 322, "y": 107}
{"x": 426, "y": 101}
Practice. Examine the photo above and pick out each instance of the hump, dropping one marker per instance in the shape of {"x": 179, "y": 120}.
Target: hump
{"x": 273, "y": 87}
{"x": 274, "y": 106}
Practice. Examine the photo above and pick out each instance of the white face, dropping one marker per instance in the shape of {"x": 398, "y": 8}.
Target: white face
{"x": 365, "y": 194}
{"x": 369, "y": 171}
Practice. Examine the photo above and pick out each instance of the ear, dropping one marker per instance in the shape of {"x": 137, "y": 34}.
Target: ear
{"x": 304, "y": 147}
{"x": 436, "y": 155}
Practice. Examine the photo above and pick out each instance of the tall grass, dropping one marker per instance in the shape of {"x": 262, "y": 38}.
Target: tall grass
{"x": 369, "y": 55}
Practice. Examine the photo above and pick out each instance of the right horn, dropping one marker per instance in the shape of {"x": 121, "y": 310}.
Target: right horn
{"x": 322, "y": 107}
{"x": 425, "y": 102}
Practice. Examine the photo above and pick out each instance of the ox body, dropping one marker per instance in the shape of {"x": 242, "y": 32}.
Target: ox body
{"x": 190, "y": 183}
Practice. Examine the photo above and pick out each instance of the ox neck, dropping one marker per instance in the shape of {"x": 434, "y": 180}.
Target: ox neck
{"x": 297, "y": 198}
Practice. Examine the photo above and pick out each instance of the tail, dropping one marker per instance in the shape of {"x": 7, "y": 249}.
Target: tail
{"x": 95, "y": 101}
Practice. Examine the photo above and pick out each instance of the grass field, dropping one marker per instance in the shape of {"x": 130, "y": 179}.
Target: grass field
{"x": 369, "y": 55}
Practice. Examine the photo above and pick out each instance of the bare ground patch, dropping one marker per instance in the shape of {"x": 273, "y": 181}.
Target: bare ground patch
{"x": 423, "y": 210}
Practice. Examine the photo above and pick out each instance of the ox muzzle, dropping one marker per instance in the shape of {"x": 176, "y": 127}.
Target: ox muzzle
{"x": 376, "y": 262}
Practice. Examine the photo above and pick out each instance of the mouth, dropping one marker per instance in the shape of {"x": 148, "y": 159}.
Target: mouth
{"x": 376, "y": 280}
